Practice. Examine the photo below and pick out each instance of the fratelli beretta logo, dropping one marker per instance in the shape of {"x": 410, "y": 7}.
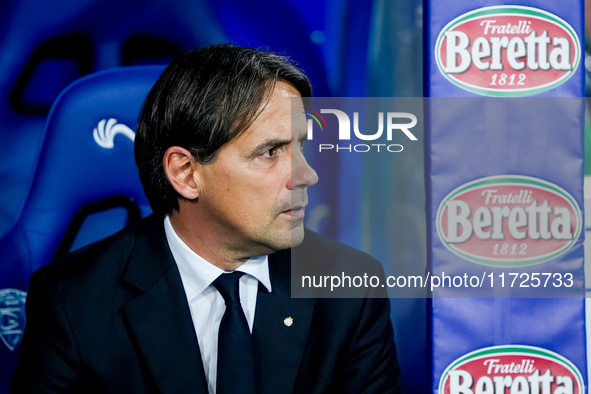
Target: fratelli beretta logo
{"x": 509, "y": 221}
{"x": 507, "y": 51}
{"x": 511, "y": 368}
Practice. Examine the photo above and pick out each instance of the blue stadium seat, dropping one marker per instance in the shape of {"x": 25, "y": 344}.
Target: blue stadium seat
{"x": 85, "y": 186}
{"x": 44, "y": 46}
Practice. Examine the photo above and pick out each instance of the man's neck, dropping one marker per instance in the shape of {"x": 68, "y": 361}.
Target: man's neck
{"x": 206, "y": 242}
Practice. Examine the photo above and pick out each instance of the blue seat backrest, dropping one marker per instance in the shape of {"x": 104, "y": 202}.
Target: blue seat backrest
{"x": 86, "y": 162}
{"x": 87, "y": 155}
{"x": 44, "y": 46}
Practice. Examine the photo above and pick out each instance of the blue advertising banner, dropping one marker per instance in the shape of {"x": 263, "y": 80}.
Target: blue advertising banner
{"x": 505, "y": 196}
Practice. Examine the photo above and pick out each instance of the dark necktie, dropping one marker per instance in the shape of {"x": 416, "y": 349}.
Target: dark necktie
{"x": 235, "y": 355}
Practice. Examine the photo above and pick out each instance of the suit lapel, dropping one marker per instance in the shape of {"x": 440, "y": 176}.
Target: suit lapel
{"x": 160, "y": 318}
{"x": 280, "y": 330}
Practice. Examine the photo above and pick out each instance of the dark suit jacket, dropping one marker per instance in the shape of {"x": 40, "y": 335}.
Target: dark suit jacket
{"x": 113, "y": 318}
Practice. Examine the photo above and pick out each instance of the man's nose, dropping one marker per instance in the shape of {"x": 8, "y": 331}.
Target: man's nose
{"x": 302, "y": 175}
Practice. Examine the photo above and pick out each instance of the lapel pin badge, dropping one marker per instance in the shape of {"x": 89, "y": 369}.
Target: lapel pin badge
{"x": 288, "y": 321}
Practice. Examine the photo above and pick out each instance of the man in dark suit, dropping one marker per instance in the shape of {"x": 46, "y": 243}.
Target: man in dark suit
{"x": 196, "y": 298}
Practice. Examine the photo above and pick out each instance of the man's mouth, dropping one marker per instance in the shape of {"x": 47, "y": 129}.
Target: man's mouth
{"x": 296, "y": 212}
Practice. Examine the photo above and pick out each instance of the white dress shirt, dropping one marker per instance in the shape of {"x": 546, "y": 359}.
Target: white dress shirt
{"x": 206, "y": 303}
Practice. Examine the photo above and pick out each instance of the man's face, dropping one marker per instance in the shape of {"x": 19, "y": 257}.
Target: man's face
{"x": 255, "y": 193}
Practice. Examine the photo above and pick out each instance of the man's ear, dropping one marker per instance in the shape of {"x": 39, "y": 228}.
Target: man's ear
{"x": 182, "y": 171}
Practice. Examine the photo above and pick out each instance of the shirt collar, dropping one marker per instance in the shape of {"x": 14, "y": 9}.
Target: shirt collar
{"x": 197, "y": 273}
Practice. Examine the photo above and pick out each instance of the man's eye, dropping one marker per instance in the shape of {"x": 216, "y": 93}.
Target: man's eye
{"x": 270, "y": 153}
{"x": 275, "y": 151}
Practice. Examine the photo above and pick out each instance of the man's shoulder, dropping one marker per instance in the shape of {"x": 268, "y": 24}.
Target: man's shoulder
{"x": 107, "y": 256}
{"x": 324, "y": 268}
{"x": 332, "y": 253}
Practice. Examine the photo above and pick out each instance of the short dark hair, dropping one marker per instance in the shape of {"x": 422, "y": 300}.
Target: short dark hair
{"x": 204, "y": 99}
